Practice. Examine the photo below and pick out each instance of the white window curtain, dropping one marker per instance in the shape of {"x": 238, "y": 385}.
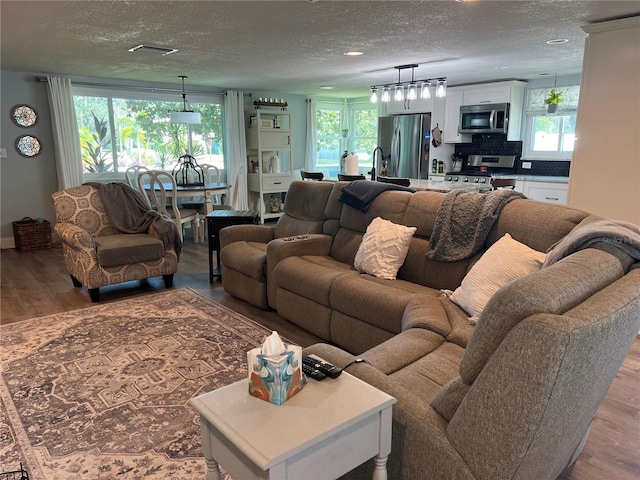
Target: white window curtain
{"x": 236, "y": 148}
{"x": 65, "y": 133}
{"x": 569, "y": 106}
{"x": 312, "y": 137}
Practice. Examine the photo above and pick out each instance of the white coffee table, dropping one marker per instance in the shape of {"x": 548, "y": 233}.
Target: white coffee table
{"x": 324, "y": 431}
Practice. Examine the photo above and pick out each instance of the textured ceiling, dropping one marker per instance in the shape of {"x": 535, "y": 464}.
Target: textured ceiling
{"x": 296, "y": 46}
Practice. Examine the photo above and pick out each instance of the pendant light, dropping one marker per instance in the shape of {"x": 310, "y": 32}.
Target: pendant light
{"x": 184, "y": 116}
{"x": 441, "y": 88}
{"x": 409, "y": 89}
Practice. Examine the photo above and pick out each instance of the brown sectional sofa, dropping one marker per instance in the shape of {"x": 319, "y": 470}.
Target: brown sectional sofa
{"x": 512, "y": 397}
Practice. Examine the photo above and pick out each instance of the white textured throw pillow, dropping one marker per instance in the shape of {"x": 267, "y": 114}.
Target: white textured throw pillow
{"x": 506, "y": 260}
{"x": 383, "y": 249}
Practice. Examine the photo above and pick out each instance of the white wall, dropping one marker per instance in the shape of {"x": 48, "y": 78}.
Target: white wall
{"x": 605, "y": 170}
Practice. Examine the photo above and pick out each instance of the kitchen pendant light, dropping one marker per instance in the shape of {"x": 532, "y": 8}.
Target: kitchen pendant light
{"x": 412, "y": 91}
{"x": 409, "y": 89}
{"x": 425, "y": 90}
{"x": 441, "y": 88}
{"x": 398, "y": 95}
{"x": 374, "y": 95}
{"x": 184, "y": 116}
{"x": 386, "y": 97}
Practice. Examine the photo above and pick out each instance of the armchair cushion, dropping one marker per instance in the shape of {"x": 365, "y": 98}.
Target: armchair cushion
{"x": 125, "y": 249}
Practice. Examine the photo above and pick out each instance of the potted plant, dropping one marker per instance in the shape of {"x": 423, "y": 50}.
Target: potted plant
{"x": 554, "y": 98}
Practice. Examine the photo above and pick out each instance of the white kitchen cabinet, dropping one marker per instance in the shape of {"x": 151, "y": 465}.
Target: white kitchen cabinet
{"x": 549, "y": 192}
{"x": 452, "y": 106}
{"x": 270, "y": 160}
{"x": 419, "y": 105}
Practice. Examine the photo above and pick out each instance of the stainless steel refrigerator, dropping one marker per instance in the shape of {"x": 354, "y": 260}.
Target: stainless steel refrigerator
{"x": 405, "y": 141}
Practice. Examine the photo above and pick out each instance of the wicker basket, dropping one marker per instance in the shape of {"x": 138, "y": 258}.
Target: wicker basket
{"x": 30, "y": 234}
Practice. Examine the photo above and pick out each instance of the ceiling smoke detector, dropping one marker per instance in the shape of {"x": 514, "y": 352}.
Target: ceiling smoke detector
{"x": 155, "y": 50}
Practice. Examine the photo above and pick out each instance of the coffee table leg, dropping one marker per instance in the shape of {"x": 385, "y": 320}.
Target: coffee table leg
{"x": 380, "y": 471}
{"x": 213, "y": 469}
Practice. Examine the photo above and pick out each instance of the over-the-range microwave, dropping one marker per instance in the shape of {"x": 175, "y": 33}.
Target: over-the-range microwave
{"x": 489, "y": 118}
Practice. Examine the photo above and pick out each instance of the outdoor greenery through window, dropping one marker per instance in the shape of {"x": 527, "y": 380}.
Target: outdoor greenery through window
{"x": 551, "y": 136}
{"x": 117, "y": 132}
{"x": 341, "y": 127}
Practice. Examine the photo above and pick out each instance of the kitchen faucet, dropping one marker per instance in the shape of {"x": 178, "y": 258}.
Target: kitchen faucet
{"x": 373, "y": 156}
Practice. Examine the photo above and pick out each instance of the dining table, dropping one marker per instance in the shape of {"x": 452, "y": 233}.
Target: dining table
{"x": 204, "y": 190}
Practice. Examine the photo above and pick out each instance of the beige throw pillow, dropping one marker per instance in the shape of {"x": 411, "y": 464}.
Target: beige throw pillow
{"x": 383, "y": 249}
{"x": 506, "y": 260}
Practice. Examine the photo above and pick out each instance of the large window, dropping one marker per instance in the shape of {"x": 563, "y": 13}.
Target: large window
{"x": 350, "y": 127}
{"x": 122, "y": 129}
{"x": 550, "y": 136}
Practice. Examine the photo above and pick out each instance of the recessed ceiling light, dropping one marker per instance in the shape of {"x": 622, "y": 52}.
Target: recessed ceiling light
{"x": 326, "y": 87}
{"x": 557, "y": 41}
{"x": 352, "y": 54}
{"x": 153, "y": 49}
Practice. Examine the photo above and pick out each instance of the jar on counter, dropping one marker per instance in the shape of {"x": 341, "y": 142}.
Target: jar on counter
{"x": 440, "y": 166}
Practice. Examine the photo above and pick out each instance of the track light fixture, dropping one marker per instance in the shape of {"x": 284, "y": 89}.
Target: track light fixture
{"x": 409, "y": 89}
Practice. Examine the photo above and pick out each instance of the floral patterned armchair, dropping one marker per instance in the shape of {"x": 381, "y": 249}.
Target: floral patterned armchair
{"x": 96, "y": 253}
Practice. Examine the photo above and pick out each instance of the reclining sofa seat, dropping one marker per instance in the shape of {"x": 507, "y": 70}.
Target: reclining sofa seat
{"x": 243, "y": 248}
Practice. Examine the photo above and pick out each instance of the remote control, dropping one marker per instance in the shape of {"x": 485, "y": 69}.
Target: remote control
{"x": 311, "y": 372}
{"x": 326, "y": 368}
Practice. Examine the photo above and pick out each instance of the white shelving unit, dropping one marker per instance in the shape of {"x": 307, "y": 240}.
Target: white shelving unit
{"x": 270, "y": 160}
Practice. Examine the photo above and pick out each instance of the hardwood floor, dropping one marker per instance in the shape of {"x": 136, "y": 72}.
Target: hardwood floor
{"x": 36, "y": 283}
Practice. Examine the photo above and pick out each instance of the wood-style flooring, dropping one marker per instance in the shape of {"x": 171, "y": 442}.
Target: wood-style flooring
{"x": 36, "y": 283}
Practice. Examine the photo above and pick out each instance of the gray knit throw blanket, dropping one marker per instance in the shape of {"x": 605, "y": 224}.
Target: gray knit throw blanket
{"x": 463, "y": 222}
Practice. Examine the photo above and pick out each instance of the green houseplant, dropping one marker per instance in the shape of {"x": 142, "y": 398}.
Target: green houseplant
{"x": 555, "y": 97}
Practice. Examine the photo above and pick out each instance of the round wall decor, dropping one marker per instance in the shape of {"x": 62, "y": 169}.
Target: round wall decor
{"x": 24, "y": 116}
{"x": 28, "y": 146}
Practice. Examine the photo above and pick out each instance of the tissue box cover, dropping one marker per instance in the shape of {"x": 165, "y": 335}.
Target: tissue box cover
{"x": 275, "y": 378}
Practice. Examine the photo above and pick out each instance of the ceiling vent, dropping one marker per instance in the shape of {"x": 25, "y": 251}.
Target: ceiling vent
{"x": 154, "y": 50}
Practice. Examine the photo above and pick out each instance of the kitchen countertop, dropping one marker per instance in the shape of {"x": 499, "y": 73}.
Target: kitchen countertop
{"x": 536, "y": 178}
{"x": 440, "y": 186}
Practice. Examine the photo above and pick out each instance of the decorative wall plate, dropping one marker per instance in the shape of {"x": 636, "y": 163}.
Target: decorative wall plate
{"x": 24, "y": 116}
{"x": 28, "y": 146}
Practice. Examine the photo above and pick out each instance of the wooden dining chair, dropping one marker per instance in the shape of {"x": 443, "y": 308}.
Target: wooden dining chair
{"x": 163, "y": 196}
{"x": 503, "y": 183}
{"x": 311, "y": 175}
{"x": 405, "y": 182}
{"x": 350, "y": 178}
{"x": 131, "y": 176}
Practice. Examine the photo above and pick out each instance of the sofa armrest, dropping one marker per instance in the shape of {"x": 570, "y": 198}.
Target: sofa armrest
{"x": 75, "y": 237}
{"x": 246, "y": 233}
{"x": 281, "y": 248}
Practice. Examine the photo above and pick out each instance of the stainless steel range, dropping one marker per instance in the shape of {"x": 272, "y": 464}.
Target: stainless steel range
{"x": 481, "y": 169}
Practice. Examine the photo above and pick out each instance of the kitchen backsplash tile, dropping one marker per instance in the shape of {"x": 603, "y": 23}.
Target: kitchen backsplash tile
{"x": 546, "y": 168}
{"x": 489, "y": 144}
{"x": 497, "y": 144}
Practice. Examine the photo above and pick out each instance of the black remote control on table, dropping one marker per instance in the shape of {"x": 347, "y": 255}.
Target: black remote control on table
{"x": 328, "y": 369}
{"x": 311, "y": 372}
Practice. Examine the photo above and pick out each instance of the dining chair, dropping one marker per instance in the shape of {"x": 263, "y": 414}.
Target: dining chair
{"x": 506, "y": 183}
{"x": 405, "y": 182}
{"x": 211, "y": 174}
{"x": 350, "y": 178}
{"x": 131, "y": 176}
{"x": 311, "y": 175}
{"x": 163, "y": 195}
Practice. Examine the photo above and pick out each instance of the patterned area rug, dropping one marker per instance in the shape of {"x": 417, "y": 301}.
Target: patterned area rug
{"x": 102, "y": 393}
